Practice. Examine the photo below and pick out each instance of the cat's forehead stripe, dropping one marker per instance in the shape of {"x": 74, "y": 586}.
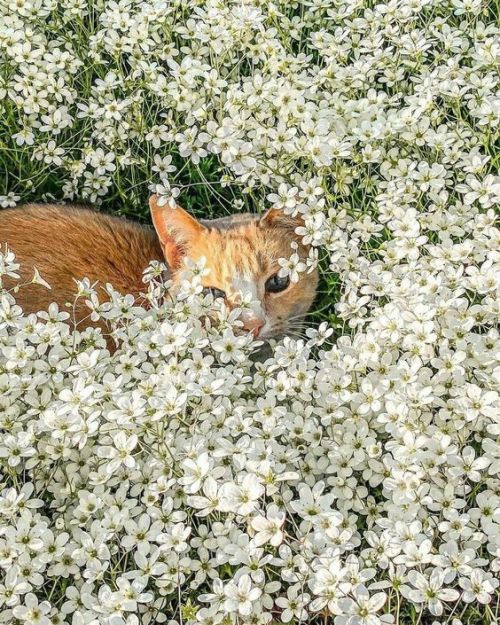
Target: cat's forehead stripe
{"x": 238, "y": 252}
{"x": 243, "y": 248}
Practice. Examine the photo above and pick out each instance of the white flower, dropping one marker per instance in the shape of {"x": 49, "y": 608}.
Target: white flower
{"x": 285, "y": 198}
{"x": 479, "y": 587}
{"x": 293, "y": 605}
{"x": 269, "y": 528}
{"x": 33, "y": 612}
{"x": 429, "y": 591}
{"x": 194, "y": 472}
{"x": 241, "y": 498}
{"x": 175, "y": 538}
{"x": 292, "y": 267}
{"x": 209, "y": 501}
{"x": 120, "y": 452}
{"x": 229, "y": 347}
{"x": 12, "y": 588}
{"x": 9, "y": 200}
{"x": 241, "y": 595}
{"x": 362, "y": 609}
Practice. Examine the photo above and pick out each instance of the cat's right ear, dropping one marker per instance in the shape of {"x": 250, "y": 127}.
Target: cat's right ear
{"x": 276, "y": 218}
{"x": 175, "y": 228}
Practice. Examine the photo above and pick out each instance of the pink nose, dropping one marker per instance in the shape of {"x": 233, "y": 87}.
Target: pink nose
{"x": 254, "y": 326}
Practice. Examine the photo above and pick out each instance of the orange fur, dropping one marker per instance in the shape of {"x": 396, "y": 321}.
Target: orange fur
{"x": 67, "y": 242}
{"x": 241, "y": 244}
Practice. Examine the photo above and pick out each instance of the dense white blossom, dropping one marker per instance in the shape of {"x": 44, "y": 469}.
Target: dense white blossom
{"x": 351, "y": 475}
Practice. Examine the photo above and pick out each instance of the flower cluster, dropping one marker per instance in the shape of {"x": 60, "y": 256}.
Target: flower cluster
{"x": 181, "y": 479}
{"x": 350, "y": 477}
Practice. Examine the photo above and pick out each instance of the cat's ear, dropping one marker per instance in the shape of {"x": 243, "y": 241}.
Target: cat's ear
{"x": 276, "y": 218}
{"x": 175, "y": 228}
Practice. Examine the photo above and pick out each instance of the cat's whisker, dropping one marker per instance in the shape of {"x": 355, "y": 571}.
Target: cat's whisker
{"x": 295, "y": 318}
{"x": 295, "y": 335}
{"x": 290, "y": 329}
{"x": 300, "y": 327}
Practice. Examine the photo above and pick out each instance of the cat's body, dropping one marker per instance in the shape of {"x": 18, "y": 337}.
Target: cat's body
{"x": 68, "y": 243}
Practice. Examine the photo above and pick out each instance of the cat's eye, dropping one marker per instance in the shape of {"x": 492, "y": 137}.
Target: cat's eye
{"x": 214, "y": 291}
{"x": 277, "y": 283}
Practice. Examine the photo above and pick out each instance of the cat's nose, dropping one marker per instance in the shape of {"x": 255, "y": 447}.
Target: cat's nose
{"x": 254, "y": 325}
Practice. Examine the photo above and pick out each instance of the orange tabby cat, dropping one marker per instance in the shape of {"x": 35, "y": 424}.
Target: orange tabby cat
{"x": 67, "y": 242}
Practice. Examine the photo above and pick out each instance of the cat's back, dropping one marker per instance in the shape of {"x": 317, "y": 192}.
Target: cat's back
{"x": 70, "y": 242}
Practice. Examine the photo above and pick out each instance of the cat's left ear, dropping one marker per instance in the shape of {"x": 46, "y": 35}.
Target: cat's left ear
{"x": 175, "y": 228}
{"x": 276, "y": 218}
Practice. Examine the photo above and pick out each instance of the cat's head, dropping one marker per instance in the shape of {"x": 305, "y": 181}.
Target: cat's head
{"x": 242, "y": 253}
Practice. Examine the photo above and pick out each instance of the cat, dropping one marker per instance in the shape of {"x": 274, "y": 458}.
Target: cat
{"x": 69, "y": 242}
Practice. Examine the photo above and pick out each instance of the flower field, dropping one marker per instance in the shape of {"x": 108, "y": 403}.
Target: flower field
{"x": 350, "y": 476}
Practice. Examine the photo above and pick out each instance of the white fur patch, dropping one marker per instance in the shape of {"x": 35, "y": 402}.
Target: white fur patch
{"x": 246, "y": 287}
